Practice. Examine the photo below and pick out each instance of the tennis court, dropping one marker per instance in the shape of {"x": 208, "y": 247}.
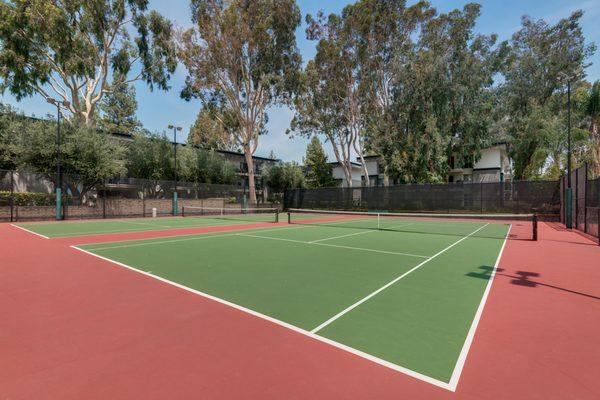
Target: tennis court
{"x": 403, "y": 291}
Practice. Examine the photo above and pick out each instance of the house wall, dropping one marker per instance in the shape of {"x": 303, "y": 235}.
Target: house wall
{"x": 490, "y": 158}
{"x": 338, "y": 173}
{"x": 372, "y": 168}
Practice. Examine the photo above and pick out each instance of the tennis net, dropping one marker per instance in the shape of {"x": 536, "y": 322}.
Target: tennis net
{"x": 523, "y": 226}
{"x": 231, "y": 213}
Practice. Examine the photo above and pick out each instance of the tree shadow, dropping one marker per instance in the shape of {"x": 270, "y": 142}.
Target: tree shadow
{"x": 522, "y": 278}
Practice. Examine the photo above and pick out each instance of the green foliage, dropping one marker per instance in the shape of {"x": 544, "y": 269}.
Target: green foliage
{"x": 27, "y": 198}
{"x": 118, "y": 111}
{"x": 67, "y": 50}
{"x": 151, "y": 157}
{"x": 319, "y": 173}
{"x": 214, "y": 129}
{"x": 241, "y": 58}
{"x": 281, "y": 176}
{"x": 592, "y": 113}
{"x": 8, "y": 138}
{"x": 87, "y": 155}
{"x": 402, "y": 82}
{"x": 541, "y": 59}
{"x": 206, "y": 166}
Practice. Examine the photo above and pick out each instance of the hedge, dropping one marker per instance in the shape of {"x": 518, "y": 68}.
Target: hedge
{"x": 28, "y": 198}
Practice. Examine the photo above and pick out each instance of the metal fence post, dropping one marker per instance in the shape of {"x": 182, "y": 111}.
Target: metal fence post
{"x": 12, "y": 195}
{"x": 103, "y": 194}
{"x": 585, "y": 195}
{"x": 481, "y": 196}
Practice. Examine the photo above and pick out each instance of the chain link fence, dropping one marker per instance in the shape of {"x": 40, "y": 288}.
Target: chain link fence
{"x": 31, "y": 196}
{"x": 586, "y": 201}
{"x": 521, "y": 197}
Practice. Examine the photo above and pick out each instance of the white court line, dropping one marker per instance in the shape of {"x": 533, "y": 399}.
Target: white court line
{"x": 364, "y": 299}
{"x": 358, "y": 233}
{"x": 146, "y": 224}
{"x": 291, "y": 327}
{"x": 333, "y": 245}
{"x": 204, "y": 225}
{"x": 462, "y": 358}
{"x": 196, "y": 236}
{"x": 28, "y": 231}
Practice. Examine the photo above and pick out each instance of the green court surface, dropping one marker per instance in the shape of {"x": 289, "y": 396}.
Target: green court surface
{"x": 406, "y": 298}
{"x": 99, "y": 227}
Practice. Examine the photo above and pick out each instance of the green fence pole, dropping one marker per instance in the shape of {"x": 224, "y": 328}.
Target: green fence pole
{"x": 58, "y": 204}
{"x": 569, "y": 208}
{"x": 175, "y": 205}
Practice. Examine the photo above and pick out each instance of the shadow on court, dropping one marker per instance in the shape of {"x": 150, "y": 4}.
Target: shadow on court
{"x": 522, "y": 278}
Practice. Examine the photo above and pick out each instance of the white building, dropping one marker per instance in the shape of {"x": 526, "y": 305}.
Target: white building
{"x": 374, "y": 169}
{"x": 494, "y": 165}
{"x": 339, "y": 176}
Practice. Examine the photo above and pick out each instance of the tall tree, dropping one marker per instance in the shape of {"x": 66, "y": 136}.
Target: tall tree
{"x": 541, "y": 60}
{"x": 592, "y": 110}
{"x": 322, "y": 107}
{"x": 319, "y": 173}
{"x": 214, "y": 129}
{"x": 77, "y": 51}
{"x": 119, "y": 111}
{"x": 337, "y": 67}
{"x": 387, "y": 30}
{"x": 242, "y": 56}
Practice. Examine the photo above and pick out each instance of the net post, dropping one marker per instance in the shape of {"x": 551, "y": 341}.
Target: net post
{"x": 183, "y": 211}
{"x": 276, "y": 216}
{"x": 535, "y": 227}
{"x": 289, "y": 214}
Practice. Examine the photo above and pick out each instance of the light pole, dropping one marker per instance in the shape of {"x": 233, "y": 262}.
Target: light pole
{"x": 569, "y": 192}
{"x": 58, "y": 188}
{"x": 175, "y": 129}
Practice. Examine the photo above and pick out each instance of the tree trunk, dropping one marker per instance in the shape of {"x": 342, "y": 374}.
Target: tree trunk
{"x": 251, "y": 184}
{"x": 365, "y": 171}
{"x": 347, "y": 167}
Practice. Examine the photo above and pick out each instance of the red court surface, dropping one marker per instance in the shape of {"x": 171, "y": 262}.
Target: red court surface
{"x": 77, "y": 327}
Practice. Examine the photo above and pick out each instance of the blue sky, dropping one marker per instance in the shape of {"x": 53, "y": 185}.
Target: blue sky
{"x": 158, "y": 109}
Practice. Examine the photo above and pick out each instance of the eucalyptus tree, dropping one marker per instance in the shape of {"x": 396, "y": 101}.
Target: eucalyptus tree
{"x": 441, "y": 93}
{"x": 77, "y": 51}
{"x": 335, "y": 82}
{"x": 241, "y": 56}
{"x": 386, "y": 32}
{"x": 322, "y": 107}
{"x": 543, "y": 58}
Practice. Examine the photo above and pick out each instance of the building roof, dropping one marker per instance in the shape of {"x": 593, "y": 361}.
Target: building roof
{"x": 351, "y": 162}
{"x": 237, "y": 153}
